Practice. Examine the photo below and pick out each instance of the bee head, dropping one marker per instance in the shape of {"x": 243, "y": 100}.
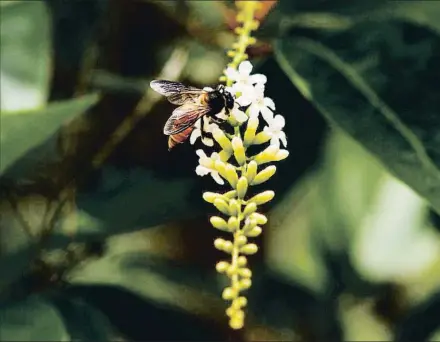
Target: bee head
{"x": 221, "y": 89}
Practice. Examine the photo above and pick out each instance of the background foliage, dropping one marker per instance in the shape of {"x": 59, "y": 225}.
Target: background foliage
{"x": 103, "y": 233}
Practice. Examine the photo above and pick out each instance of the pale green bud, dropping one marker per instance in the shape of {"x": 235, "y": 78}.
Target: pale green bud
{"x": 250, "y": 223}
{"x": 231, "y": 175}
{"x": 219, "y": 223}
{"x": 282, "y": 154}
{"x": 221, "y": 205}
{"x": 249, "y": 209}
{"x": 242, "y": 186}
{"x": 234, "y": 207}
{"x": 224, "y": 155}
{"x": 222, "y": 140}
{"x": 249, "y": 249}
{"x": 220, "y": 167}
{"x": 210, "y": 197}
{"x": 261, "y": 138}
{"x": 259, "y": 218}
{"x": 233, "y": 224}
{"x": 254, "y": 232}
{"x": 241, "y": 261}
{"x": 267, "y": 156}
{"x": 245, "y": 272}
{"x": 251, "y": 129}
{"x": 251, "y": 170}
{"x": 222, "y": 266}
{"x": 229, "y": 293}
{"x": 230, "y": 194}
{"x": 245, "y": 283}
{"x": 264, "y": 175}
{"x": 262, "y": 197}
{"x": 239, "y": 152}
{"x": 241, "y": 240}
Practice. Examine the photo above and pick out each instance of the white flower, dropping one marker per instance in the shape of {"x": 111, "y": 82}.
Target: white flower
{"x": 238, "y": 114}
{"x": 275, "y": 130}
{"x": 242, "y": 77}
{"x": 206, "y": 166}
{"x": 258, "y": 103}
{"x": 208, "y": 127}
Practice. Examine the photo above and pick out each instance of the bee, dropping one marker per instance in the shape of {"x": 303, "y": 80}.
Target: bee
{"x": 194, "y": 104}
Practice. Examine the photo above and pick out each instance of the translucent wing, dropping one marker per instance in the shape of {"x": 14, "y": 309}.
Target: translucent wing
{"x": 176, "y": 92}
{"x": 184, "y": 117}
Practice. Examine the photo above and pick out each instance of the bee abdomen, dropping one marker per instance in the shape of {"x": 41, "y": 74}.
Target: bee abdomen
{"x": 179, "y": 138}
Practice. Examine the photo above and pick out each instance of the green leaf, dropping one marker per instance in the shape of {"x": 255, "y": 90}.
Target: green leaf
{"x": 32, "y": 320}
{"x": 83, "y": 321}
{"x": 25, "y": 52}
{"x": 22, "y": 131}
{"x": 375, "y": 81}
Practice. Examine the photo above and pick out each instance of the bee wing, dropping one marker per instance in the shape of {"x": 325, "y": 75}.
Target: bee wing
{"x": 184, "y": 117}
{"x": 176, "y": 92}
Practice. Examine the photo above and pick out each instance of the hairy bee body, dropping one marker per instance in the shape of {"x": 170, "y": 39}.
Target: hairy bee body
{"x": 194, "y": 104}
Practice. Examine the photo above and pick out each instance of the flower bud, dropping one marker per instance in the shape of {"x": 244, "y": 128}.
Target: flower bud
{"x": 241, "y": 240}
{"x": 224, "y": 155}
{"x": 222, "y": 266}
{"x": 282, "y": 154}
{"x": 230, "y": 194}
{"x": 234, "y": 207}
{"x": 251, "y": 129}
{"x": 239, "y": 152}
{"x": 210, "y": 197}
{"x": 267, "y": 156}
{"x": 222, "y": 206}
{"x": 219, "y": 243}
{"x": 262, "y": 197}
{"x": 261, "y": 138}
{"x": 251, "y": 170}
{"x": 222, "y": 140}
{"x": 229, "y": 293}
{"x": 219, "y": 223}
{"x": 249, "y": 249}
{"x": 250, "y": 223}
{"x": 259, "y": 218}
{"x": 264, "y": 175}
{"x": 242, "y": 186}
{"x": 221, "y": 168}
{"x": 231, "y": 175}
{"x": 245, "y": 272}
{"x": 254, "y": 232}
{"x": 245, "y": 283}
{"x": 233, "y": 224}
{"x": 241, "y": 261}
{"x": 249, "y": 209}
{"x": 239, "y": 302}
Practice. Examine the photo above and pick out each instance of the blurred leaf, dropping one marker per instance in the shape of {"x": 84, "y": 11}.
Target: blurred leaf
{"x": 421, "y": 322}
{"x": 83, "y": 321}
{"x": 25, "y": 70}
{"x": 142, "y": 319}
{"x": 126, "y": 200}
{"x": 32, "y": 320}
{"x": 366, "y": 86}
{"x": 23, "y": 131}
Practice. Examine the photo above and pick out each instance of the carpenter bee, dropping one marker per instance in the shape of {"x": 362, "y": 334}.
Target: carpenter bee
{"x": 194, "y": 104}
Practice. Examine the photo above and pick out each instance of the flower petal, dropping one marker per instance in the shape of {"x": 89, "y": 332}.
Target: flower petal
{"x": 231, "y": 73}
{"x": 268, "y": 102}
{"x": 208, "y": 142}
{"x": 201, "y": 154}
{"x": 254, "y": 111}
{"x": 239, "y": 115}
{"x": 202, "y": 171}
{"x": 258, "y": 78}
{"x": 274, "y": 141}
{"x": 267, "y": 114}
{"x": 194, "y": 135}
{"x": 245, "y": 68}
{"x": 282, "y": 137}
{"x": 278, "y": 122}
{"x": 244, "y": 100}
{"x": 217, "y": 178}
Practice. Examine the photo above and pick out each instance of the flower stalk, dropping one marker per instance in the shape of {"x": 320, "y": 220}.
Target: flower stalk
{"x": 238, "y": 207}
